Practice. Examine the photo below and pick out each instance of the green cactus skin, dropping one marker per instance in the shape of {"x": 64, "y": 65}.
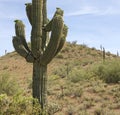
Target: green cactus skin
{"x": 19, "y": 28}
{"x": 19, "y": 46}
{"x": 48, "y": 27}
{"x": 20, "y": 32}
{"x": 45, "y": 35}
{"x": 40, "y": 54}
{"x": 63, "y": 39}
{"x": 29, "y": 12}
{"x": 54, "y": 40}
{"x": 36, "y": 33}
{"x": 19, "y": 42}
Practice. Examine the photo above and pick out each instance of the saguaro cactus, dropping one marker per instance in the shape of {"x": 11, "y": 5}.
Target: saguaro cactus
{"x": 103, "y": 54}
{"x": 40, "y": 54}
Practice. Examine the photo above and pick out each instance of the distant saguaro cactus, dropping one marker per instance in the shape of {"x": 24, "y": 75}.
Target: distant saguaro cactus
{"x": 101, "y": 47}
{"x": 40, "y": 54}
{"x": 103, "y": 54}
{"x": 117, "y": 54}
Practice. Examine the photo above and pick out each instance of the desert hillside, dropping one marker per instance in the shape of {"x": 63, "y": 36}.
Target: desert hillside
{"x": 80, "y": 80}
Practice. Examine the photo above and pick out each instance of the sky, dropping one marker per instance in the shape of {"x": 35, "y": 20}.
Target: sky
{"x": 90, "y": 22}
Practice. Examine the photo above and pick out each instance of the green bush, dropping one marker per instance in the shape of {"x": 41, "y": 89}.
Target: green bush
{"x": 21, "y": 105}
{"x": 53, "y": 108}
{"x": 61, "y": 71}
{"x": 8, "y": 85}
{"x": 77, "y": 75}
{"x": 60, "y": 56}
{"x": 109, "y": 71}
{"x": 18, "y": 105}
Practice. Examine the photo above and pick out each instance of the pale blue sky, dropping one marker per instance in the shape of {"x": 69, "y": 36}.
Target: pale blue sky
{"x": 92, "y": 22}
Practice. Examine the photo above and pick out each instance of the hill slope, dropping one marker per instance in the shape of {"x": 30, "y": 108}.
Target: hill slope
{"x": 72, "y": 86}
{"x": 71, "y": 53}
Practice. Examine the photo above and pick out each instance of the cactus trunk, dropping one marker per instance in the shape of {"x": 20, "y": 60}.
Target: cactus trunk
{"x": 39, "y": 70}
{"x": 40, "y": 53}
{"x": 39, "y": 84}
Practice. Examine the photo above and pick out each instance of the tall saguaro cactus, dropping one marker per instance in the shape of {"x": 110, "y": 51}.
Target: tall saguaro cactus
{"x": 41, "y": 52}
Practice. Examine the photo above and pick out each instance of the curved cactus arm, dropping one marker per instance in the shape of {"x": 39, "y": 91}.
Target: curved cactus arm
{"x": 57, "y": 28}
{"x": 44, "y": 10}
{"x": 45, "y": 38}
{"x": 45, "y": 35}
{"x": 19, "y": 46}
{"x": 30, "y": 58}
{"x": 19, "y": 42}
{"x": 29, "y": 12}
{"x": 48, "y": 27}
{"x": 20, "y": 32}
{"x": 19, "y": 28}
{"x": 21, "y": 50}
{"x": 63, "y": 39}
{"x": 59, "y": 11}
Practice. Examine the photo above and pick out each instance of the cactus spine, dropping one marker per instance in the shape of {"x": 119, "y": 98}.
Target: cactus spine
{"x": 40, "y": 54}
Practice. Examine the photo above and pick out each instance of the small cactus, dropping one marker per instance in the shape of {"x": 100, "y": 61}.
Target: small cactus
{"x": 40, "y": 54}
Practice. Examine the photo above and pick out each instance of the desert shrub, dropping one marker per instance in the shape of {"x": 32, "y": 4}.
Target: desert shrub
{"x": 8, "y": 85}
{"x": 74, "y": 42}
{"x": 109, "y": 71}
{"x": 5, "y": 67}
{"x": 60, "y": 56}
{"x": 53, "y": 77}
{"x": 65, "y": 49}
{"x": 77, "y": 75}
{"x": 70, "y": 110}
{"x": 22, "y": 105}
{"x": 78, "y": 92}
{"x": 103, "y": 111}
{"x": 19, "y": 105}
{"x": 85, "y": 62}
{"x": 71, "y": 91}
{"x": 108, "y": 53}
{"x": 53, "y": 108}
{"x": 29, "y": 82}
{"x": 93, "y": 48}
{"x": 62, "y": 71}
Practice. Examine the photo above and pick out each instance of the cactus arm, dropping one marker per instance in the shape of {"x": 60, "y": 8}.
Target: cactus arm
{"x": 19, "y": 28}
{"x": 63, "y": 39}
{"x": 29, "y": 12}
{"x": 58, "y": 12}
{"x": 19, "y": 46}
{"x": 19, "y": 42}
{"x": 20, "y": 32}
{"x": 48, "y": 27}
{"x": 44, "y": 10}
{"x": 56, "y": 28}
{"x": 25, "y": 44}
{"x": 45, "y": 21}
{"x": 54, "y": 40}
{"x": 45, "y": 37}
{"x": 21, "y": 50}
